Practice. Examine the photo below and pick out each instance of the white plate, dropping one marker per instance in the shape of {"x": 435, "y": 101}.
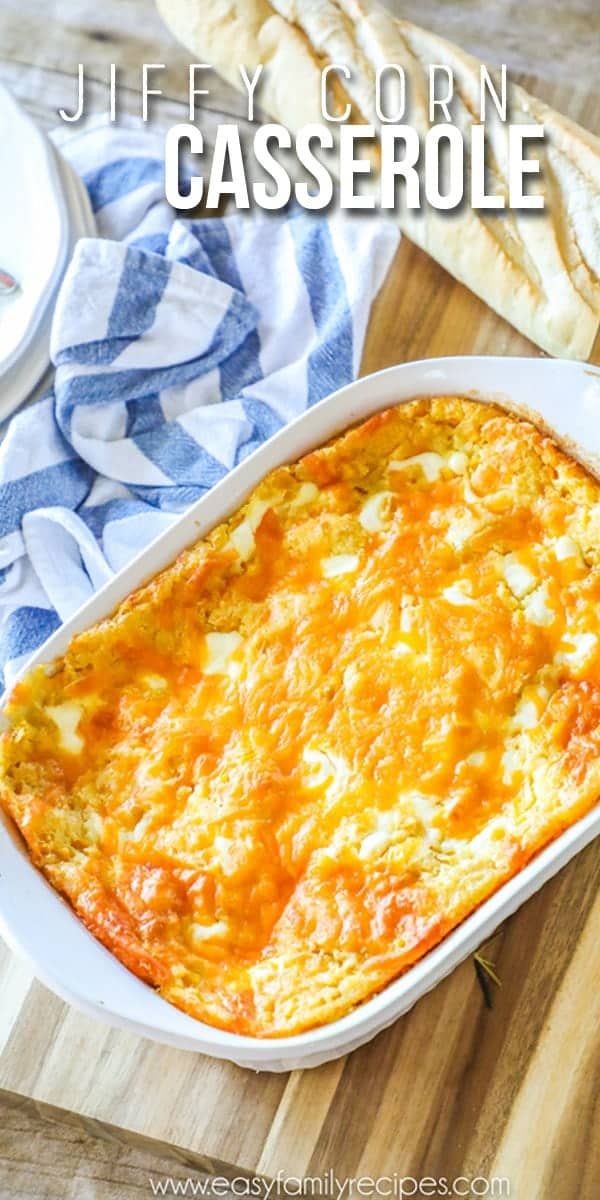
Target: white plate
{"x": 44, "y": 209}
{"x": 38, "y": 924}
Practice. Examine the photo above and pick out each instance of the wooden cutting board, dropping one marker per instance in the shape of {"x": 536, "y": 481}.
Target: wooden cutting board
{"x": 452, "y": 1088}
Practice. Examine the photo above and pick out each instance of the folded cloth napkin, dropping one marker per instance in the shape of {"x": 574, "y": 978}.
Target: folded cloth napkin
{"x": 178, "y": 347}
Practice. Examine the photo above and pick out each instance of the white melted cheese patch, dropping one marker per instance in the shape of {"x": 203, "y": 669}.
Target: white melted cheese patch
{"x": 529, "y": 708}
{"x": 66, "y": 717}
{"x": 389, "y": 825}
{"x": 307, "y": 492}
{"x": 242, "y": 540}
{"x": 219, "y": 649}
{"x": 580, "y": 647}
{"x": 519, "y": 578}
{"x": 458, "y": 597}
{"x": 425, "y": 809}
{"x": 485, "y": 844}
{"x": 233, "y": 854}
{"x": 566, "y": 547}
{"x": 382, "y": 616}
{"x": 339, "y": 564}
{"x": 526, "y": 715}
{"x": 326, "y": 769}
{"x": 146, "y": 822}
{"x": 536, "y": 607}
{"x": 197, "y": 934}
{"x": 410, "y": 614}
{"x": 381, "y": 837}
{"x": 460, "y": 530}
{"x": 512, "y": 764}
{"x": 242, "y": 537}
{"x": 401, "y": 649}
{"x": 457, "y": 461}
{"x": 375, "y": 514}
{"x": 374, "y": 844}
{"x": 155, "y": 683}
{"x": 476, "y": 759}
{"x": 430, "y": 462}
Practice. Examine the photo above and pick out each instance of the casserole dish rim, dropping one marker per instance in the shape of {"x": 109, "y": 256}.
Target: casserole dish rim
{"x": 61, "y": 951}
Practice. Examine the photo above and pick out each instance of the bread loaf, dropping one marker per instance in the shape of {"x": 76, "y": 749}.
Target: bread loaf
{"x": 538, "y": 270}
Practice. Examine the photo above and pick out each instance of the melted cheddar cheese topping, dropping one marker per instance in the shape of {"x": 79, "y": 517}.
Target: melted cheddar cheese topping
{"x": 285, "y": 768}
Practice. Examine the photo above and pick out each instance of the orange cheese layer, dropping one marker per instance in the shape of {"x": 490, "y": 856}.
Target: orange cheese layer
{"x": 290, "y": 764}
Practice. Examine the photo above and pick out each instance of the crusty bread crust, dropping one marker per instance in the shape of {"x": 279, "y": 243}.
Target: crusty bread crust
{"x": 538, "y": 270}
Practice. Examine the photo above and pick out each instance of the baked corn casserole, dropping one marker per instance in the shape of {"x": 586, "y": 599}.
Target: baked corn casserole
{"x": 286, "y": 767}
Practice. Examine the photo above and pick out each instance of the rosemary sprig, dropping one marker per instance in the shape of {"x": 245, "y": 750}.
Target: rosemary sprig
{"x": 486, "y": 972}
{"x": 488, "y": 966}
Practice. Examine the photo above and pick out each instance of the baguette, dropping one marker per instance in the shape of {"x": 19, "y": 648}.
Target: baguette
{"x": 539, "y": 270}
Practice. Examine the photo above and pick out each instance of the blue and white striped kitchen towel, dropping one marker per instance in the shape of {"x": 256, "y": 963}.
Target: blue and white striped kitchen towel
{"x": 178, "y": 347}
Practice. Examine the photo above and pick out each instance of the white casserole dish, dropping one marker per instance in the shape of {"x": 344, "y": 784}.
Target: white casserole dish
{"x": 38, "y": 924}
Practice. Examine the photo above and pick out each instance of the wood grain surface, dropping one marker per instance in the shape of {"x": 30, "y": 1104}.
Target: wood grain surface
{"x": 42, "y": 42}
{"x": 454, "y": 1088}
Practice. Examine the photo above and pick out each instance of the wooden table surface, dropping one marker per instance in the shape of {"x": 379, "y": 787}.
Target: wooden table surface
{"x": 453, "y": 1088}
